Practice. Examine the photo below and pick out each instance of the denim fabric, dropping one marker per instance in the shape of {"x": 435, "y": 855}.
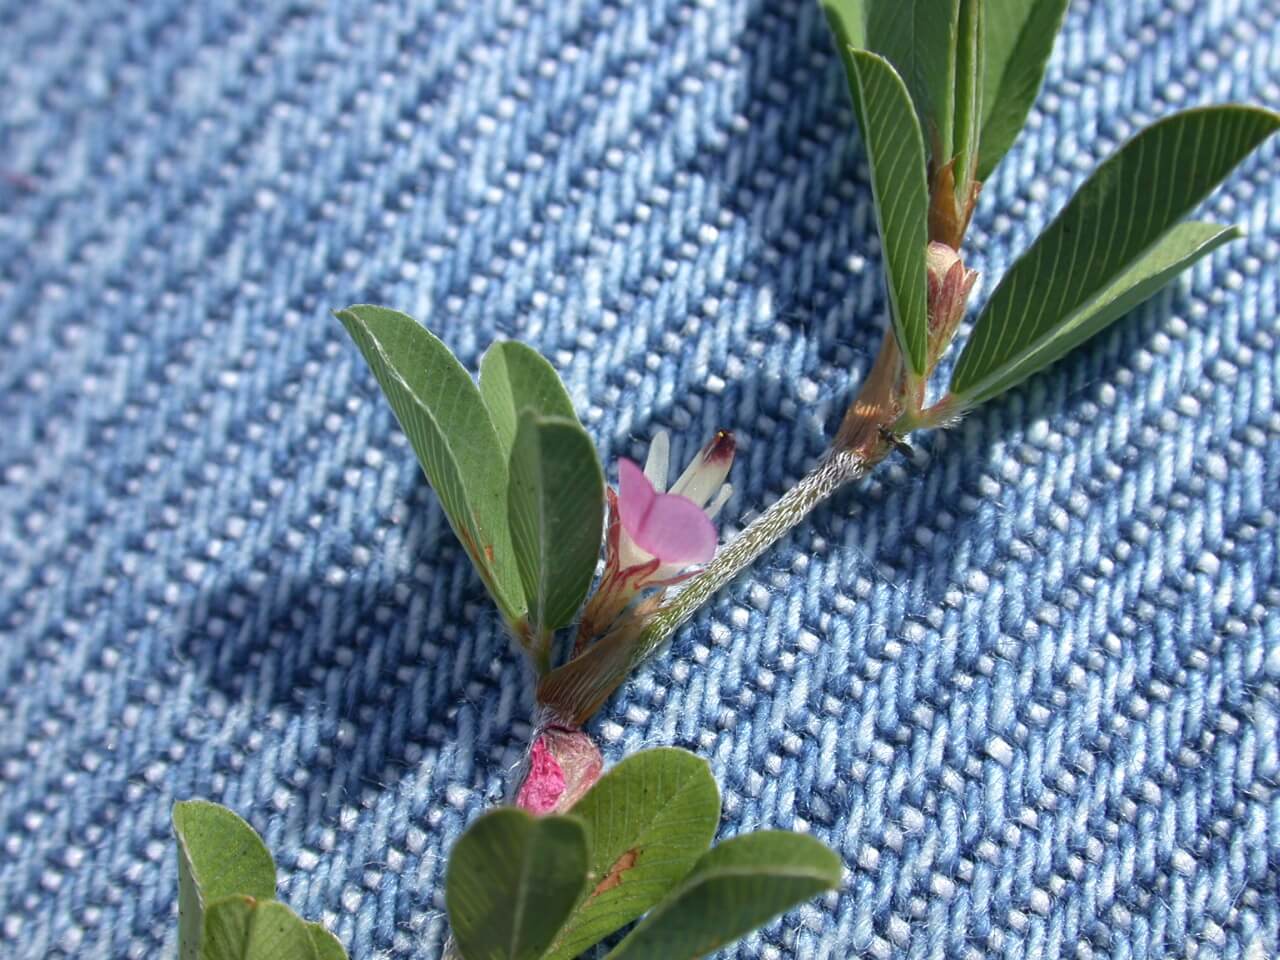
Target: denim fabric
{"x": 1029, "y": 687}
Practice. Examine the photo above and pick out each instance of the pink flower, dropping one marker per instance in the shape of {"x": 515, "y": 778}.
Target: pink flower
{"x": 656, "y": 534}
{"x": 668, "y": 526}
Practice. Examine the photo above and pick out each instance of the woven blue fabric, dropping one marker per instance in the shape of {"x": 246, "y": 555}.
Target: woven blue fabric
{"x": 1028, "y": 688}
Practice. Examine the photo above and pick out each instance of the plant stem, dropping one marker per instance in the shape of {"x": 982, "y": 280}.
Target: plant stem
{"x": 944, "y": 412}
{"x": 876, "y": 406}
{"x": 575, "y": 690}
{"x": 860, "y": 444}
{"x": 836, "y": 469}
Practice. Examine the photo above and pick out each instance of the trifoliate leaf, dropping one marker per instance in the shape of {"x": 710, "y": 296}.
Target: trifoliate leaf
{"x": 1019, "y": 37}
{"x": 219, "y": 855}
{"x": 919, "y": 38}
{"x": 895, "y": 152}
{"x": 650, "y": 818}
{"x": 441, "y": 411}
{"x": 515, "y": 378}
{"x": 1178, "y": 249}
{"x": 1108, "y": 246}
{"x": 328, "y": 947}
{"x": 556, "y": 509}
{"x": 512, "y": 881}
{"x": 240, "y": 928}
{"x": 736, "y": 887}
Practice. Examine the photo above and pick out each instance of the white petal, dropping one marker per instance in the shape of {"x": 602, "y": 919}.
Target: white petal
{"x": 719, "y": 501}
{"x": 704, "y": 475}
{"x": 657, "y": 463}
{"x": 630, "y": 553}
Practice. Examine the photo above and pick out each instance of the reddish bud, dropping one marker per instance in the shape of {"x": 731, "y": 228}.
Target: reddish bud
{"x": 949, "y": 287}
{"x": 563, "y": 765}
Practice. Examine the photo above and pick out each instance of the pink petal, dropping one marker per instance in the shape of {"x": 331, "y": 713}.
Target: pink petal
{"x": 667, "y": 526}
{"x": 635, "y": 495}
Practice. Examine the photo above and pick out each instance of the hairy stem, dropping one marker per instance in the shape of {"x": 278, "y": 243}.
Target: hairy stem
{"x": 836, "y": 469}
{"x": 861, "y": 442}
{"x": 576, "y": 690}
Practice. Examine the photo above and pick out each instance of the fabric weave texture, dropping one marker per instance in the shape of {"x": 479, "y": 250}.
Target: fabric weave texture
{"x": 1028, "y": 687}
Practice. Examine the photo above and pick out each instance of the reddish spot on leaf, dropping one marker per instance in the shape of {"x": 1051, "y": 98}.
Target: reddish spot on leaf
{"x": 614, "y": 877}
{"x": 488, "y": 552}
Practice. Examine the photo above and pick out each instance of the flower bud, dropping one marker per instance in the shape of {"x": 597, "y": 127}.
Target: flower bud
{"x": 949, "y": 287}
{"x": 563, "y": 765}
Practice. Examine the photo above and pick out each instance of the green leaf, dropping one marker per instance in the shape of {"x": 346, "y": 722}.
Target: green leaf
{"x": 1116, "y": 219}
{"x": 514, "y": 378}
{"x": 735, "y": 888}
{"x": 918, "y": 37}
{"x": 969, "y": 94}
{"x": 441, "y": 411}
{"x": 556, "y": 504}
{"x": 896, "y": 156}
{"x": 240, "y": 928}
{"x": 219, "y": 855}
{"x": 649, "y": 818}
{"x": 1178, "y": 249}
{"x": 511, "y": 882}
{"x": 1019, "y": 37}
{"x": 328, "y": 947}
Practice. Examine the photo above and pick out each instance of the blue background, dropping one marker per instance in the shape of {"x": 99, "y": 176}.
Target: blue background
{"x": 1027, "y": 688}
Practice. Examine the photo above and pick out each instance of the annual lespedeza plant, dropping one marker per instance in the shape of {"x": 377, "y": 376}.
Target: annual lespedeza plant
{"x": 940, "y": 89}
